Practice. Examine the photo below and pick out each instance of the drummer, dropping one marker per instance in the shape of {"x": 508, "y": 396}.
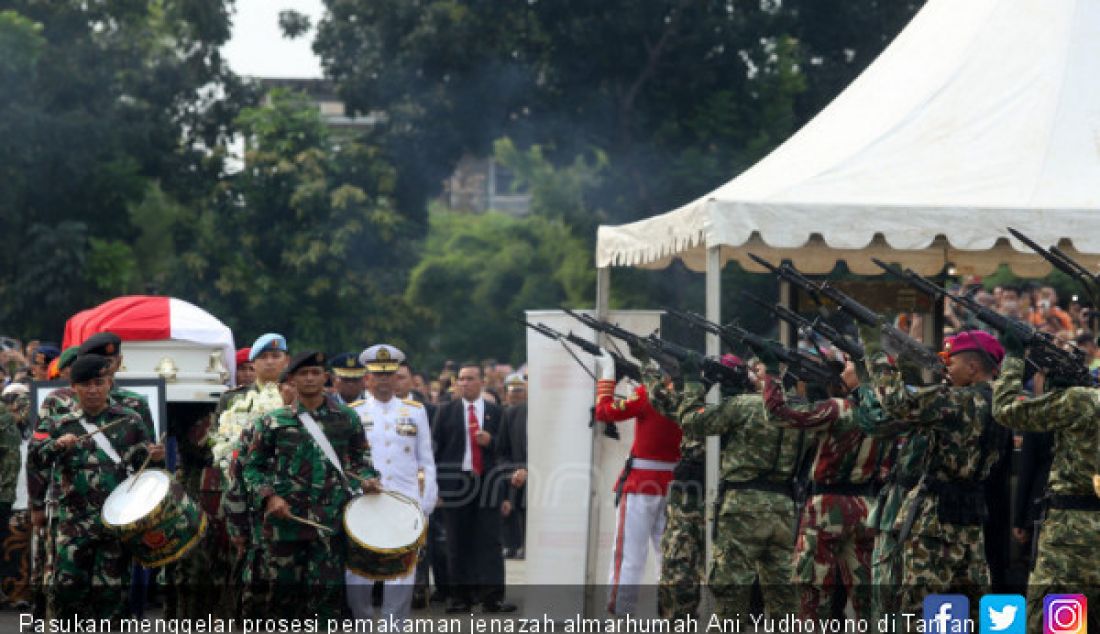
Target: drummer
{"x": 401, "y": 447}
{"x": 92, "y": 570}
{"x": 290, "y": 477}
{"x": 109, "y": 345}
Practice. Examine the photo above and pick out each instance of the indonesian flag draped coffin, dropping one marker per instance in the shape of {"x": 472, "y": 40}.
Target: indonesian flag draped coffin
{"x": 153, "y": 318}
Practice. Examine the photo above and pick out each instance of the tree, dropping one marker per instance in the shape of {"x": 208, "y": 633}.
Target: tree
{"x": 103, "y": 101}
{"x": 480, "y": 272}
{"x": 302, "y": 240}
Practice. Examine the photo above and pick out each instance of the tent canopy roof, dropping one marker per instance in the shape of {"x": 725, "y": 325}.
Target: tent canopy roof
{"x": 981, "y": 115}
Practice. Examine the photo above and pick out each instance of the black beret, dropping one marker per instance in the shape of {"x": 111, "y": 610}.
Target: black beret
{"x": 103, "y": 343}
{"x": 89, "y": 366}
{"x": 305, "y": 360}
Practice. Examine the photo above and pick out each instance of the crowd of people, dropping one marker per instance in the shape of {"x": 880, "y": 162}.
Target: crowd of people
{"x": 272, "y": 468}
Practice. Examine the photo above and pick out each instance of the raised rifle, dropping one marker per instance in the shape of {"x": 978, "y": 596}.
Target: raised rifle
{"x": 636, "y": 342}
{"x": 623, "y": 367}
{"x": 898, "y": 341}
{"x": 802, "y": 367}
{"x": 1045, "y": 352}
{"x": 1064, "y": 263}
{"x": 806, "y": 326}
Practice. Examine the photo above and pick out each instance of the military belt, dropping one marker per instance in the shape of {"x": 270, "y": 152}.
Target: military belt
{"x": 783, "y": 488}
{"x": 1074, "y": 502}
{"x": 843, "y": 488}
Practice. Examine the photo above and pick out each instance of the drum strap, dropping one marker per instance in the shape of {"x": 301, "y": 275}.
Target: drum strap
{"x": 322, "y": 440}
{"x": 101, "y": 441}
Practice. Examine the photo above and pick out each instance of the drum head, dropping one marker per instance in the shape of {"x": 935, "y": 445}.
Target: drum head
{"x": 127, "y": 504}
{"x": 385, "y": 521}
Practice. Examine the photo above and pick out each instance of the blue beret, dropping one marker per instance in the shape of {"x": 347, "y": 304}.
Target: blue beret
{"x": 268, "y": 341}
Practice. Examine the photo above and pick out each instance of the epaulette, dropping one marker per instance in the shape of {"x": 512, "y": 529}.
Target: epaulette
{"x": 413, "y": 402}
{"x": 355, "y": 404}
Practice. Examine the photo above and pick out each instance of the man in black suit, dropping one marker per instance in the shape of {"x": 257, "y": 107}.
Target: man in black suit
{"x": 470, "y": 493}
{"x": 512, "y": 454}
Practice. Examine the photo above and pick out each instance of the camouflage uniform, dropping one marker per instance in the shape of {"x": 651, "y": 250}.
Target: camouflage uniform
{"x": 11, "y": 460}
{"x": 137, "y": 403}
{"x": 940, "y": 520}
{"x": 59, "y": 402}
{"x": 684, "y": 541}
{"x": 92, "y": 570}
{"x": 756, "y": 512}
{"x": 1068, "y": 560}
{"x": 304, "y": 573}
{"x": 906, "y": 468}
{"x": 834, "y": 538}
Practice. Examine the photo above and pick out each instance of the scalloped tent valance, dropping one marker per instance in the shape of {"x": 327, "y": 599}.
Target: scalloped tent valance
{"x": 981, "y": 115}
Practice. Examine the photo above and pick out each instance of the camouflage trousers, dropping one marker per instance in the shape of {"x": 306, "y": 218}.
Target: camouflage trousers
{"x": 1068, "y": 563}
{"x": 42, "y": 565}
{"x": 885, "y": 573}
{"x": 683, "y": 548}
{"x": 755, "y": 540}
{"x": 947, "y": 560}
{"x": 834, "y": 542}
{"x": 203, "y": 578}
{"x": 297, "y": 579}
{"x": 91, "y": 575}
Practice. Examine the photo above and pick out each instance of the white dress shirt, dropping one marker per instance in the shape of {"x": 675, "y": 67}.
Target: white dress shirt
{"x": 479, "y": 409}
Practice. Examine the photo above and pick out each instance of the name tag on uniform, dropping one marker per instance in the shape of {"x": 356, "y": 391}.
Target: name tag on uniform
{"x": 406, "y": 426}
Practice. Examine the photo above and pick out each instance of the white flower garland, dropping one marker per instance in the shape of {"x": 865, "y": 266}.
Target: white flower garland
{"x": 238, "y": 417}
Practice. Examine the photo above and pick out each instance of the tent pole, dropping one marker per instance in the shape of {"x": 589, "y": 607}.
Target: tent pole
{"x": 603, "y": 291}
{"x": 786, "y": 300}
{"x": 592, "y": 576}
{"x": 714, "y": 313}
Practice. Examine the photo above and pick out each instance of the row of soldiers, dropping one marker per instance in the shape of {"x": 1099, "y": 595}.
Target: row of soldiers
{"x": 896, "y": 502}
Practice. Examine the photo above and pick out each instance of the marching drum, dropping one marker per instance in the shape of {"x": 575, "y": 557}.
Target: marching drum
{"x": 153, "y": 516}
{"x": 385, "y": 532}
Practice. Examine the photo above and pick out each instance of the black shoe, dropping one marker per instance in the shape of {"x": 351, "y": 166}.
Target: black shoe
{"x": 438, "y": 597}
{"x": 498, "y": 606}
{"x": 419, "y": 600}
{"x": 458, "y": 608}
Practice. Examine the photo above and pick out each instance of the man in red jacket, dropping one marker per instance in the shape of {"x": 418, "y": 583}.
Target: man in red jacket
{"x": 641, "y": 489}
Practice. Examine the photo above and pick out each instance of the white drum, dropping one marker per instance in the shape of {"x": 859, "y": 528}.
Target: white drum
{"x": 152, "y": 514}
{"x": 385, "y": 532}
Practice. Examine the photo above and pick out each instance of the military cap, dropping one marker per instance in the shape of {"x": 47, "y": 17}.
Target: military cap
{"x": 977, "y": 341}
{"x": 268, "y": 341}
{"x": 515, "y": 380}
{"x": 106, "y": 344}
{"x": 242, "y": 356}
{"x": 381, "y": 358}
{"x": 89, "y": 366}
{"x": 45, "y": 353}
{"x": 67, "y": 357}
{"x": 306, "y": 359}
{"x": 347, "y": 365}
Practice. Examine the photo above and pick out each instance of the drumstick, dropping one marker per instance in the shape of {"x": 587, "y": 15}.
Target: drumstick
{"x": 302, "y": 520}
{"x": 83, "y": 437}
{"x": 148, "y": 458}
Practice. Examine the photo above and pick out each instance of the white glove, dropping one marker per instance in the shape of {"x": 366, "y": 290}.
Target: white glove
{"x": 605, "y": 365}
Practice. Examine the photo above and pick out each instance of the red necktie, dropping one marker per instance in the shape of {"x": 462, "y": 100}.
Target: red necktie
{"x": 475, "y": 449}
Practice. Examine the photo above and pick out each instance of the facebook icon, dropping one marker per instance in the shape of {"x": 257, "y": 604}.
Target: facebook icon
{"x": 945, "y": 613}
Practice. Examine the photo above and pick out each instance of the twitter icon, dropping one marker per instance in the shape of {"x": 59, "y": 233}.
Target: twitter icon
{"x": 1003, "y": 614}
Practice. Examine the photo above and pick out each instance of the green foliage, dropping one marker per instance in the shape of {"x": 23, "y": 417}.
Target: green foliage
{"x": 480, "y": 272}
{"x": 297, "y": 242}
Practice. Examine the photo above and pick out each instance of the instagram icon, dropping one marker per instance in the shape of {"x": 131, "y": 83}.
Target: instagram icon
{"x": 1065, "y": 614}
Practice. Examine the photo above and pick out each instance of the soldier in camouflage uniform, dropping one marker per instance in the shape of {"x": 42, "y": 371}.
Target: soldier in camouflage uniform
{"x": 1068, "y": 559}
{"x": 287, "y": 474}
{"x": 109, "y": 345}
{"x": 92, "y": 570}
{"x": 44, "y": 520}
{"x": 940, "y": 522}
{"x": 754, "y": 530}
{"x": 226, "y": 490}
{"x": 834, "y": 539}
{"x": 11, "y": 460}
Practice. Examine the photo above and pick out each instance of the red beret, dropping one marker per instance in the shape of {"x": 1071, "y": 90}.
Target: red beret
{"x": 242, "y": 355}
{"x": 975, "y": 340}
{"x": 731, "y": 360}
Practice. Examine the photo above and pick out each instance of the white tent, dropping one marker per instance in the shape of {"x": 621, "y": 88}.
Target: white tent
{"x": 982, "y": 114}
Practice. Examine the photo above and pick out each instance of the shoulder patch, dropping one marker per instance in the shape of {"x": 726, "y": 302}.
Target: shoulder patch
{"x": 412, "y": 403}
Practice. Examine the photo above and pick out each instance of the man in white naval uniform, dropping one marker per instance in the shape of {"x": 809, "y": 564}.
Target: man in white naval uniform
{"x": 401, "y": 450}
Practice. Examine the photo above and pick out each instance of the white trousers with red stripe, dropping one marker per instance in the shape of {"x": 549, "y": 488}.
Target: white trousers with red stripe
{"x": 640, "y": 522}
